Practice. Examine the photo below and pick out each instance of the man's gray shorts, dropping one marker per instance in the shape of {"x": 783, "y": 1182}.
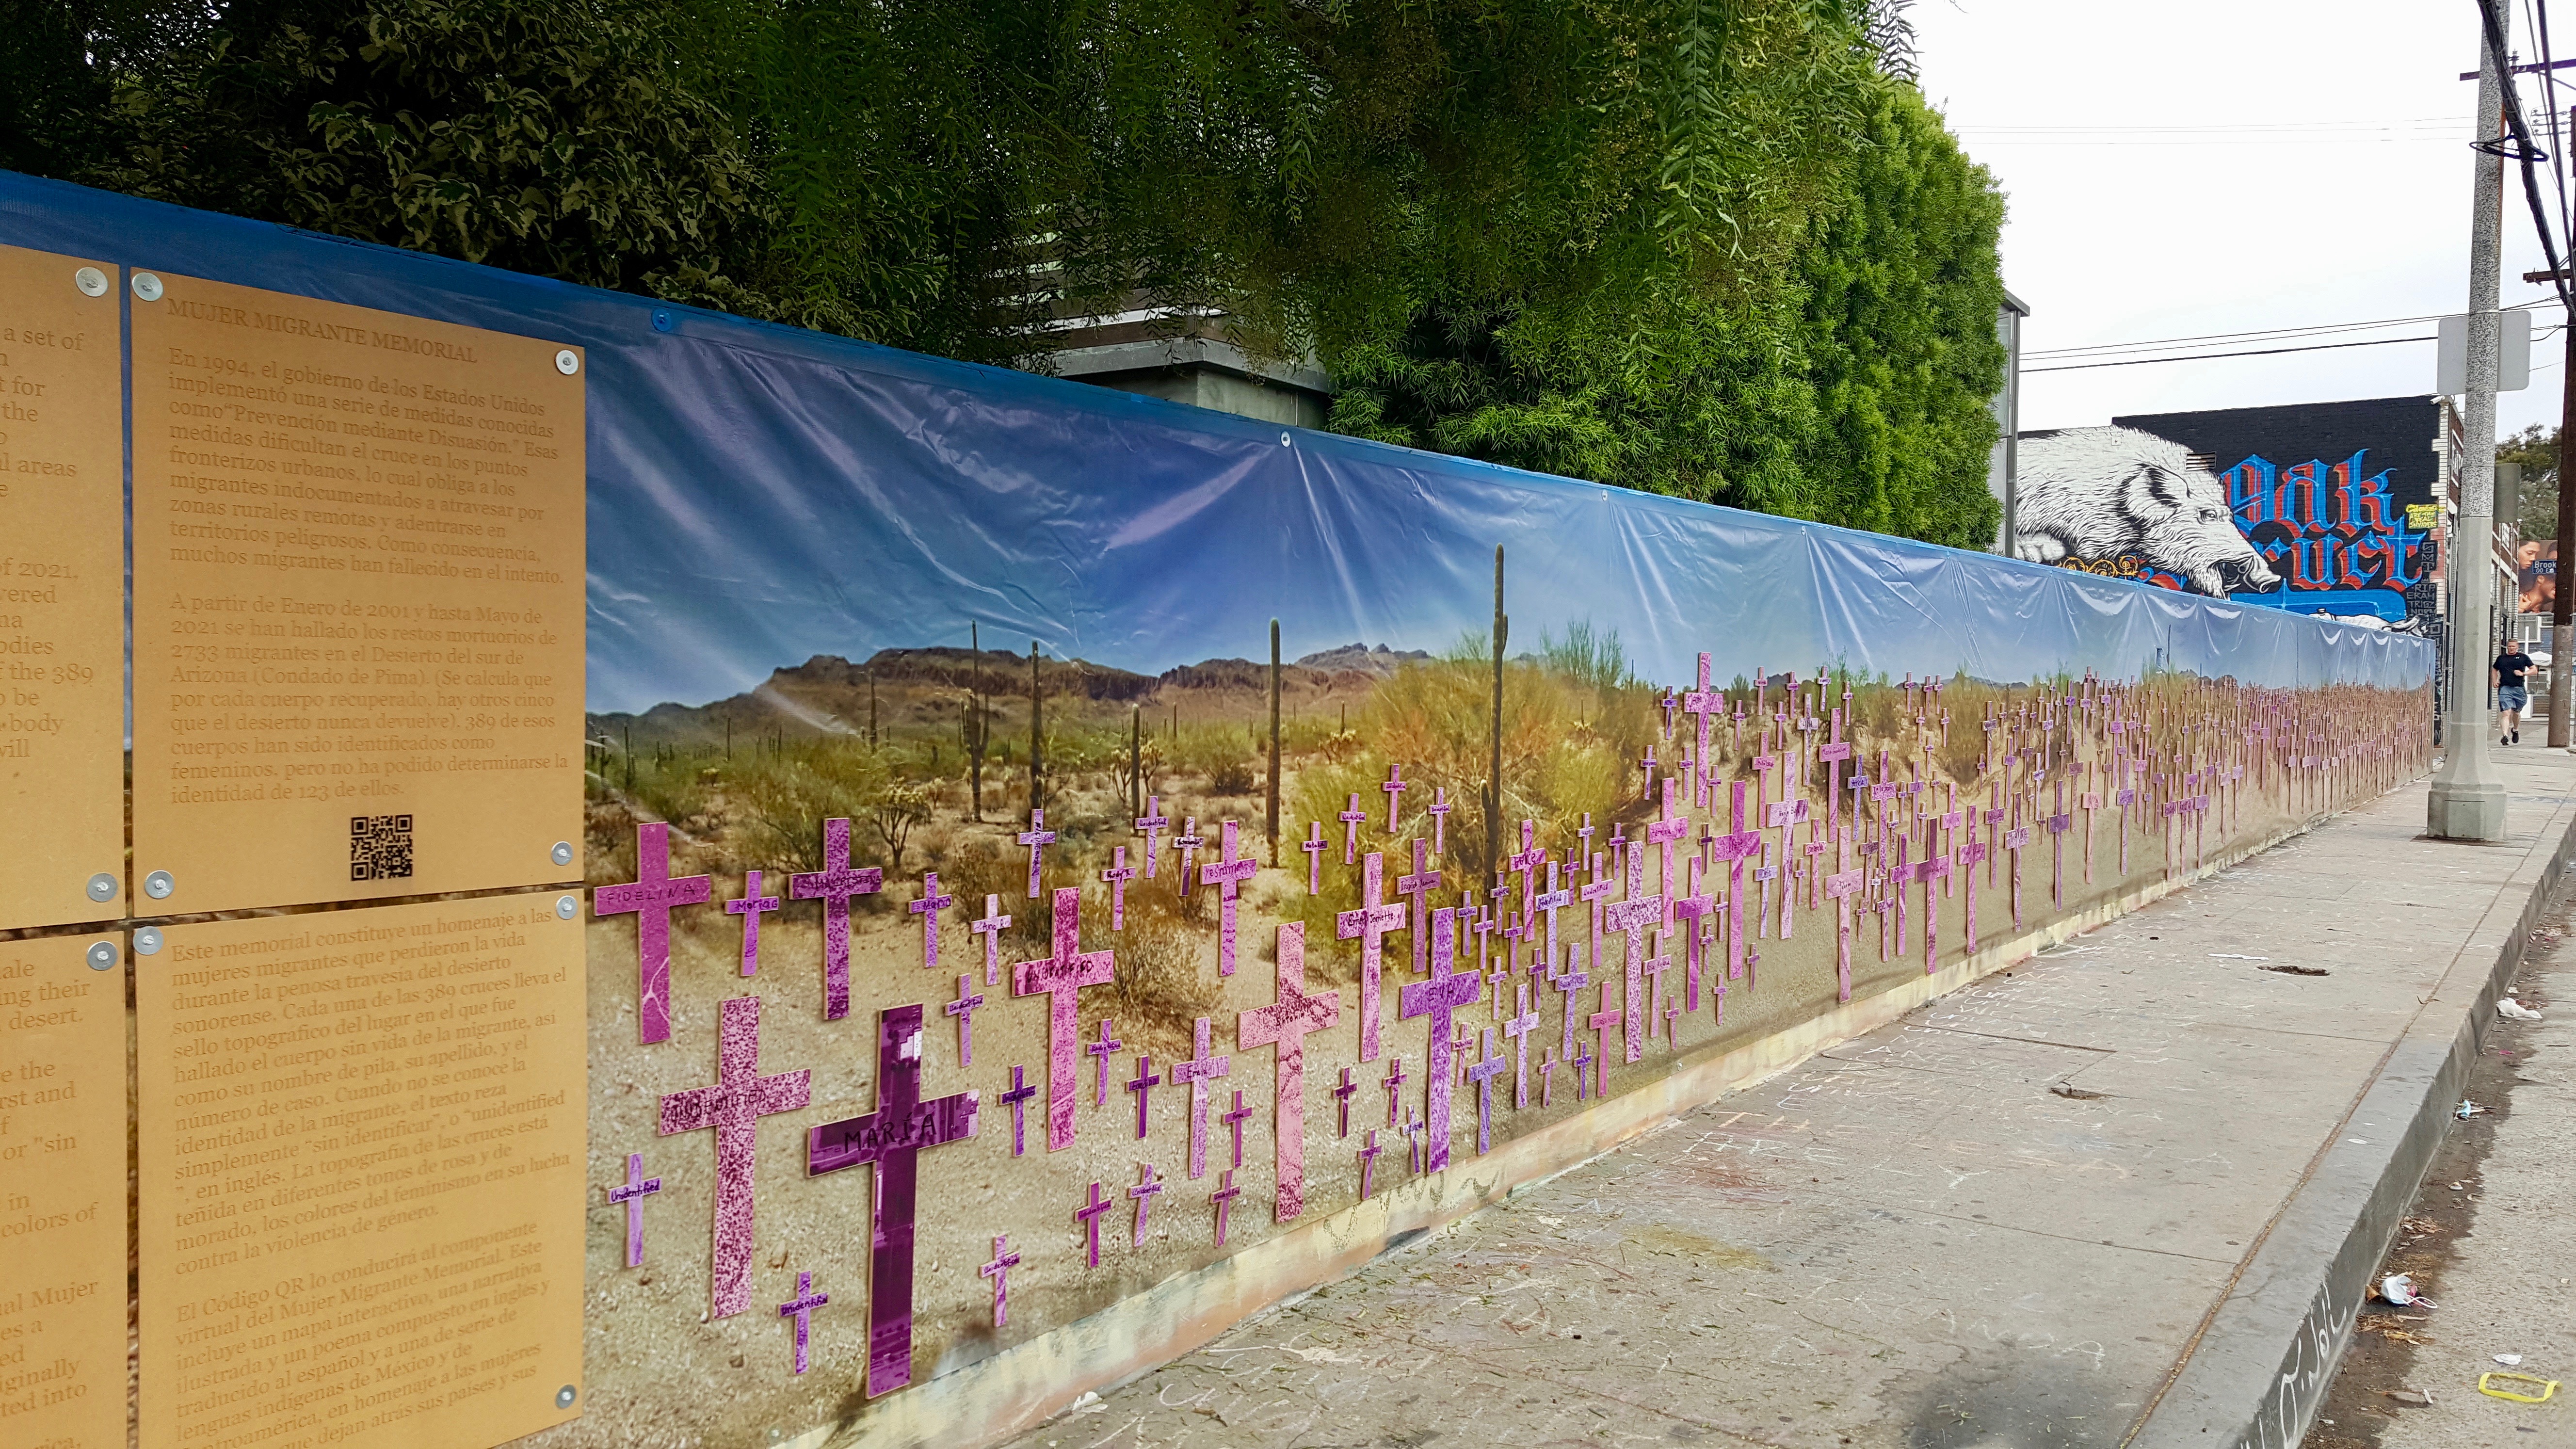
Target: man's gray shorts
{"x": 2512, "y": 696}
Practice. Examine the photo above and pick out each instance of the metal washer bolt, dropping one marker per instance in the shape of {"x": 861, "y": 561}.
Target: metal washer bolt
{"x": 567, "y": 907}
{"x": 159, "y": 884}
{"x": 102, "y": 955}
{"x": 147, "y": 942}
{"x": 567, "y": 362}
{"x": 91, "y": 281}
{"x": 562, "y": 852}
{"x": 147, "y": 286}
{"x": 102, "y": 887}
{"x": 565, "y": 1395}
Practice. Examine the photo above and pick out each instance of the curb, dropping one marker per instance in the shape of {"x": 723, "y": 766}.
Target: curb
{"x": 2258, "y": 1373}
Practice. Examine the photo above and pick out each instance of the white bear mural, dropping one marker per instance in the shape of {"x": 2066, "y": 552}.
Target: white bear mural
{"x": 2100, "y": 495}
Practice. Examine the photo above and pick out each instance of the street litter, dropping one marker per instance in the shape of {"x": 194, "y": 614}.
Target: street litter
{"x": 2411, "y": 1398}
{"x": 2509, "y": 1360}
{"x": 2232, "y": 956}
{"x": 2469, "y": 1109}
{"x": 2512, "y": 1010}
{"x": 2288, "y": 970}
{"x": 2493, "y": 1386}
{"x": 2399, "y": 1289}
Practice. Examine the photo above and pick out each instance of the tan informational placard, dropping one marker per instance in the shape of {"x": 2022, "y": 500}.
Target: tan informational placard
{"x": 360, "y": 1177}
{"x": 62, "y": 1195}
{"x": 62, "y": 591}
{"x": 357, "y": 602}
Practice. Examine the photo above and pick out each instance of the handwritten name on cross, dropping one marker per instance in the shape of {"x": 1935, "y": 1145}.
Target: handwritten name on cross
{"x": 1567, "y": 983}
{"x": 928, "y": 905}
{"x": 1734, "y": 849}
{"x": 1840, "y": 888}
{"x": 1446, "y": 991}
{"x": 890, "y": 1139}
{"x": 1195, "y": 1074}
{"x": 1419, "y": 885}
{"x": 991, "y": 927}
{"x": 1062, "y": 975}
{"x": 1037, "y": 838}
{"x": 1690, "y": 911}
{"x": 637, "y": 1188}
{"x": 1228, "y": 875}
{"x": 999, "y": 1270}
{"x": 1017, "y": 1099}
{"x": 1223, "y": 1198}
{"x": 1235, "y": 1116}
{"x": 963, "y": 1008}
{"x": 1153, "y": 822}
{"x": 1394, "y": 788}
{"x": 1527, "y": 861}
{"x": 733, "y": 1107}
{"x": 1601, "y": 1022}
{"x": 1116, "y": 878}
{"x": 1394, "y": 1085}
{"x": 1439, "y": 813}
{"x": 1104, "y": 1050}
{"x": 1668, "y": 832}
{"x": 1351, "y": 818}
{"x": 1704, "y": 704}
{"x": 1147, "y": 1185}
{"x": 1089, "y": 1216}
{"x": 650, "y": 897}
{"x": 836, "y": 885}
{"x": 1369, "y": 925}
{"x": 1285, "y": 1024}
{"x": 1314, "y": 845}
{"x": 1630, "y": 918}
{"x": 1552, "y": 900}
{"x": 1518, "y": 1027}
{"x": 750, "y": 907}
{"x": 1142, "y": 1086}
{"x": 1368, "y": 1164}
{"x": 1187, "y": 844}
{"x": 801, "y": 1308}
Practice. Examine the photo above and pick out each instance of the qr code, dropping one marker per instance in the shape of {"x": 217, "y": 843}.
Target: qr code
{"x": 379, "y": 847}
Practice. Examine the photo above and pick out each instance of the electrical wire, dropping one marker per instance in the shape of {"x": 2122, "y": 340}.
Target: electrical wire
{"x": 2257, "y": 334}
{"x": 2524, "y": 148}
{"x": 2542, "y": 335}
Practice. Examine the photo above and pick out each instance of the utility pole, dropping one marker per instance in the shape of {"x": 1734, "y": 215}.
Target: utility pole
{"x": 2562, "y": 638}
{"x": 2467, "y": 798}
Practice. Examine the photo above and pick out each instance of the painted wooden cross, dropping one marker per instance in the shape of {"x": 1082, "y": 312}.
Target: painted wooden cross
{"x": 963, "y": 1008}
{"x": 1703, "y": 704}
{"x": 1547, "y": 1081}
{"x": 1394, "y": 1084}
{"x": 1229, "y": 875}
{"x": 1104, "y": 1049}
{"x": 836, "y": 885}
{"x": 927, "y": 905}
{"x": 1017, "y": 1099}
{"x": 752, "y": 905}
{"x": 2014, "y": 840}
{"x": 1343, "y": 1094}
{"x": 1037, "y": 838}
{"x": 1840, "y": 887}
{"x": 1763, "y": 875}
{"x": 1147, "y": 1185}
{"x": 1601, "y": 1022}
{"x": 1285, "y": 1024}
{"x": 1089, "y": 1216}
{"x": 999, "y": 1270}
{"x": 1116, "y": 878}
{"x": 650, "y": 896}
{"x": 991, "y": 927}
{"x": 1482, "y": 1074}
{"x": 1630, "y": 918}
{"x": 1596, "y": 893}
{"x": 1314, "y": 845}
{"x": 1656, "y": 967}
{"x": 2091, "y": 802}
{"x": 1734, "y": 848}
{"x": 1368, "y": 925}
{"x": 1666, "y": 833}
{"x": 890, "y": 1140}
{"x": 1526, "y": 861}
{"x": 1061, "y": 975}
{"x": 1518, "y": 1027}
{"x": 1567, "y": 983}
{"x": 801, "y": 1308}
{"x": 1351, "y": 817}
{"x": 1691, "y": 910}
{"x": 1235, "y": 1116}
{"x": 733, "y": 1107}
{"x": 2058, "y": 824}
{"x": 1935, "y": 865}
{"x": 1195, "y": 1074}
{"x": 1142, "y": 1085}
{"x": 1419, "y": 886}
{"x": 637, "y": 1188}
{"x": 1186, "y": 846}
{"x": 1153, "y": 822}
{"x": 1446, "y": 991}
{"x": 1394, "y": 788}
{"x": 1552, "y": 900}
{"x": 1969, "y": 855}
{"x": 1439, "y": 813}
{"x": 1368, "y": 1164}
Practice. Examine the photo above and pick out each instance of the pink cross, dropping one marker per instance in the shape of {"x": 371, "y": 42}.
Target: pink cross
{"x": 1314, "y": 845}
{"x": 1527, "y": 862}
{"x": 1518, "y": 1028}
{"x": 638, "y": 1187}
{"x": 1569, "y": 981}
{"x": 801, "y": 1308}
{"x": 1368, "y": 1164}
{"x": 1224, "y": 1196}
{"x": 651, "y": 896}
{"x": 999, "y": 1270}
{"x": 1656, "y": 966}
{"x": 963, "y": 1008}
{"x": 1104, "y": 1049}
{"x": 1143, "y": 1192}
{"x": 1668, "y": 832}
{"x": 1446, "y": 991}
{"x": 1037, "y": 838}
{"x": 1117, "y": 875}
{"x": 1369, "y": 925}
{"x": 1089, "y": 1217}
{"x": 1017, "y": 1099}
{"x": 1419, "y": 885}
{"x": 1703, "y": 703}
{"x": 733, "y": 1106}
{"x": 1733, "y": 849}
{"x": 1234, "y": 1117}
{"x": 1394, "y": 788}
{"x": 1228, "y": 875}
{"x": 928, "y": 905}
{"x": 1394, "y": 1085}
{"x": 1547, "y": 1081}
{"x": 1344, "y": 1093}
{"x": 1195, "y": 1074}
{"x": 1285, "y": 1023}
{"x": 1142, "y": 1085}
{"x": 1153, "y": 822}
{"x": 1601, "y": 1022}
{"x": 1630, "y": 918}
{"x": 1482, "y": 1074}
{"x": 749, "y": 908}
{"x": 836, "y": 885}
{"x": 1062, "y": 975}
{"x": 1351, "y": 819}
{"x": 991, "y": 928}
{"x": 1439, "y": 813}
{"x": 1187, "y": 844}
{"x": 1690, "y": 910}
{"x": 1551, "y": 901}
{"x": 890, "y": 1139}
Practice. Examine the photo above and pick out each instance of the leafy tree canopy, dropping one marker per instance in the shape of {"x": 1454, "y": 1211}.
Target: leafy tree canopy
{"x": 1715, "y": 248}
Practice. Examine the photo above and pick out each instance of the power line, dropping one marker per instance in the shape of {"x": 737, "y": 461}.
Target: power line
{"x": 2540, "y": 336}
{"x": 2260, "y": 333}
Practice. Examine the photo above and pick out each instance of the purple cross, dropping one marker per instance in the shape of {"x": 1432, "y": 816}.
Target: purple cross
{"x": 891, "y": 1139}
{"x": 1394, "y": 788}
{"x": 1344, "y": 1093}
{"x": 1733, "y": 849}
{"x": 1518, "y": 1028}
{"x": 1482, "y": 1074}
{"x": 836, "y": 885}
{"x": 1195, "y": 1074}
{"x": 1142, "y": 1085}
{"x": 1439, "y": 813}
{"x": 1413, "y": 1141}
{"x": 1419, "y": 885}
{"x": 801, "y": 1308}
{"x": 1286, "y": 1023}
{"x": 1315, "y": 845}
{"x": 1547, "y": 1081}
{"x": 1601, "y": 1021}
{"x": 991, "y": 928}
{"x": 1153, "y": 822}
{"x": 1017, "y": 1099}
{"x": 928, "y": 905}
{"x": 1037, "y": 838}
{"x": 1224, "y": 1196}
{"x": 1187, "y": 843}
{"x": 1567, "y": 983}
{"x": 734, "y": 1106}
{"x": 1351, "y": 818}
{"x": 1117, "y": 875}
{"x": 1143, "y": 1192}
{"x": 1089, "y": 1217}
{"x": 1368, "y": 1164}
{"x": 1229, "y": 875}
{"x": 1630, "y": 918}
{"x": 638, "y": 1187}
{"x": 651, "y": 896}
{"x": 999, "y": 1270}
{"x": 1394, "y": 1085}
{"x": 1656, "y": 966}
{"x": 1702, "y": 703}
{"x": 1690, "y": 911}
{"x": 1062, "y": 976}
{"x": 1840, "y": 887}
{"x": 1233, "y": 1119}
{"x": 1647, "y": 791}
{"x": 1551, "y": 901}
{"x": 1105, "y": 1048}
{"x": 1527, "y": 861}
{"x": 1370, "y": 923}
{"x": 1670, "y": 831}
{"x": 963, "y": 1008}
{"x": 749, "y": 908}
{"x": 1582, "y": 1061}
{"x": 1446, "y": 991}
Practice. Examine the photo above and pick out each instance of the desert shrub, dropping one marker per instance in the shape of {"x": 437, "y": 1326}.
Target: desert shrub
{"x": 1166, "y": 980}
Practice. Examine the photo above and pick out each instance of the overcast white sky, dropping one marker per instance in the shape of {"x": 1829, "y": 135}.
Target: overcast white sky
{"x": 2118, "y": 235}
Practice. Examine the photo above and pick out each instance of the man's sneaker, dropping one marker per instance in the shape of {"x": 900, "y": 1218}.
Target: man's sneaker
{"x": 2517, "y": 736}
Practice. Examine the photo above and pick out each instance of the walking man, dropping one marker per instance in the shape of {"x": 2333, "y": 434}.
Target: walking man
{"x": 2511, "y": 697}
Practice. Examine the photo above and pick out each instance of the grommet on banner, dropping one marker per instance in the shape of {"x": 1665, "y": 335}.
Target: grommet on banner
{"x": 147, "y": 286}
{"x": 91, "y": 281}
{"x": 567, "y": 907}
{"x": 662, "y": 321}
{"x": 102, "y": 887}
{"x": 562, "y": 853}
{"x": 102, "y": 955}
{"x": 567, "y": 362}
{"x": 159, "y": 884}
{"x": 147, "y": 942}
{"x": 565, "y": 1395}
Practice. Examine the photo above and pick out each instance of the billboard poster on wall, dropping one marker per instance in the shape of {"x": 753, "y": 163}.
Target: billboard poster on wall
{"x": 2313, "y": 507}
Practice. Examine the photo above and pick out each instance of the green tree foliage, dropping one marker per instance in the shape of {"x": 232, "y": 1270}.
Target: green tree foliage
{"x": 2536, "y": 449}
{"x": 1706, "y": 247}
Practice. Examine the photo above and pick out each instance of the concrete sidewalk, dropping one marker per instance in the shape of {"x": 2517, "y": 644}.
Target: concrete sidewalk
{"x": 2126, "y": 1192}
